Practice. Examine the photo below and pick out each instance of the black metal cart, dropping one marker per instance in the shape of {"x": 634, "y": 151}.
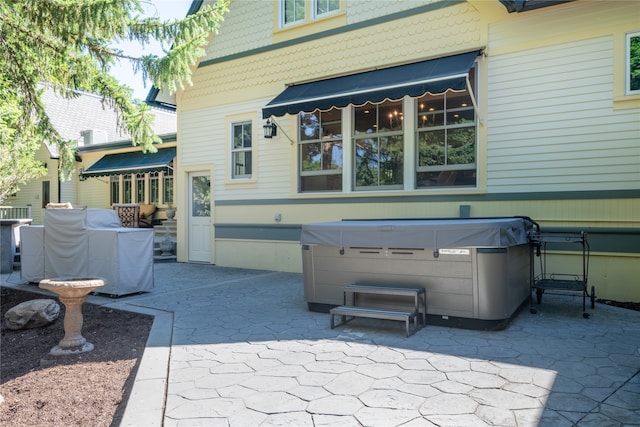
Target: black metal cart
{"x": 566, "y": 282}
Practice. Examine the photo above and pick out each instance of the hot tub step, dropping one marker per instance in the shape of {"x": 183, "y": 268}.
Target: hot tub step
{"x": 374, "y": 313}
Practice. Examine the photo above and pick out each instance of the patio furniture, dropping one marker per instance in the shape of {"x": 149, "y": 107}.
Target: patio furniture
{"x": 88, "y": 243}
{"x": 129, "y": 213}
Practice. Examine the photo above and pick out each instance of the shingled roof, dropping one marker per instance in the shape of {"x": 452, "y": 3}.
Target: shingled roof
{"x": 87, "y": 111}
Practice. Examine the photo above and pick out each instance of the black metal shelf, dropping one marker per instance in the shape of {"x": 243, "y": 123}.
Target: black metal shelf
{"x": 575, "y": 282}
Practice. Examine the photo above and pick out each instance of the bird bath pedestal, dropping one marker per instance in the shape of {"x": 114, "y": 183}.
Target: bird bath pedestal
{"x": 72, "y": 293}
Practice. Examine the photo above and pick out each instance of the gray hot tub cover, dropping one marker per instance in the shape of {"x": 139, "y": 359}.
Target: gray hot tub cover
{"x": 427, "y": 233}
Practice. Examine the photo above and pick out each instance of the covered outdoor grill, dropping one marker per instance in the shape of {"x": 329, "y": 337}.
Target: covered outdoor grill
{"x": 476, "y": 272}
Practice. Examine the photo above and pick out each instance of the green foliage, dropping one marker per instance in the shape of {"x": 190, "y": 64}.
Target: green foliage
{"x": 68, "y": 44}
{"x": 17, "y": 148}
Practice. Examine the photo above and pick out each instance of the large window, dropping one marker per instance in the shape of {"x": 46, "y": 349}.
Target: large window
{"x": 241, "y": 150}
{"x": 632, "y": 63}
{"x": 416, "y": 143}
{"x": 379, "y": 146}
{"x": 320, "y": 148}
{"x": 446, "y": 140}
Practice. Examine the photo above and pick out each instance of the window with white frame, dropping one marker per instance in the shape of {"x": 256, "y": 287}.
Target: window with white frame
{"x": 291, "y": 12}
{"x": 632, "y": 64}
{"x": 295, "y": 11}
{"x": 378, "y": 140}
{"x": 446, "y": 139}
{"x": 325, "y": 7}
{"x": 241, "y": 150}
{"x": 320, "y": 150}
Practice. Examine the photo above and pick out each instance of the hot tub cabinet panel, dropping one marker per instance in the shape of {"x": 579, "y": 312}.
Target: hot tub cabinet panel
{"x": 486, "y": 284}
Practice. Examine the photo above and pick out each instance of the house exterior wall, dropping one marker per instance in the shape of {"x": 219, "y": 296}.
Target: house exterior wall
{"x": 557, "y": 140}
{"x": 30, "y": 193}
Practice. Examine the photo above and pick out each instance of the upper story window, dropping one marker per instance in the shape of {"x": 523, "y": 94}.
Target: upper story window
{"x": 632, "y": 64}
{"x": 320, "y": 148}
{"x": 292, "y": 11}
{"x": 325, "y": 7}
{"x": 241, "y": 150}
{"x": 298, "y": 11}
{"x": 378, "y": 146}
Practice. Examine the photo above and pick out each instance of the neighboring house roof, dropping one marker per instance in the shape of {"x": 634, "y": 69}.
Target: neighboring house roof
{"x": 70, "y": 117}
{"x": 165, "y": 100}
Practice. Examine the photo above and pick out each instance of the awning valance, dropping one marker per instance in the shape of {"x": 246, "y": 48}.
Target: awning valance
{"x": 416, "y": 79}
{"x": 131, "y": 162}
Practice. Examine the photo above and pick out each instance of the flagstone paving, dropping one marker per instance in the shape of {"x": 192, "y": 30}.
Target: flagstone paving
{"x": 246, "y": 351}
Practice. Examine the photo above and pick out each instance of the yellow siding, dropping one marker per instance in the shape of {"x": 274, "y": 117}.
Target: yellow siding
{"x": 582, "y": 145}
{"x": 259, "y": 255}
{"x": 442, "y": 32}
{"x": 31, "y": 192}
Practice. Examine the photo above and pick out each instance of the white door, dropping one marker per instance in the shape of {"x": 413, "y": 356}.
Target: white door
{"x": 199, "y": 217}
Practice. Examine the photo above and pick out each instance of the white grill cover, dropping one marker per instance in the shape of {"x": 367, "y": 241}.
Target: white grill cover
{"x": 85, "y": 243}
{"x": 427, "y": 234}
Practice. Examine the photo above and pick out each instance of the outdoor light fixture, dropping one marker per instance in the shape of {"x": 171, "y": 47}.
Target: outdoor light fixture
{"x": 270, "y": 129}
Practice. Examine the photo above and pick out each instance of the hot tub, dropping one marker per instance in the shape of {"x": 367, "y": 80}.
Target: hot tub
{"x": 476, "y": 272}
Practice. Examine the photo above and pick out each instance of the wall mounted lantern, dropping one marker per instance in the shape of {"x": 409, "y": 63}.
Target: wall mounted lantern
{"x": 270, "y": 129}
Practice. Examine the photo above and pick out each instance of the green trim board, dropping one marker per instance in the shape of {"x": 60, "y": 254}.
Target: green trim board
{"x": 348, "y": 198}
{"x": 608, "y": 240}
{"x": 284, "y": 232}
{"x": 335, "y": 31}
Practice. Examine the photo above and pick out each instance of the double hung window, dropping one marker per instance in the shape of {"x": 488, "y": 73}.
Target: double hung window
{"x": 320, "y": 148}
{"x": 241, "y": 150}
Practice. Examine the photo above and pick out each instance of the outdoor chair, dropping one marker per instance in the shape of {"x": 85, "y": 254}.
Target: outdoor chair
{"x": 129, "y": 214}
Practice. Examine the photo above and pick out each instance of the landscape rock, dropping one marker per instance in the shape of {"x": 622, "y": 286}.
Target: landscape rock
{"x": 32, "y": 314}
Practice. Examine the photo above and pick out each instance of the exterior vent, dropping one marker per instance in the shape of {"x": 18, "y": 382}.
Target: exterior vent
{"x": 94, "y": 136}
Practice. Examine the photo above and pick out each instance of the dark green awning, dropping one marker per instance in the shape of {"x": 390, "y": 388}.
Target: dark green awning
{"x": 416, "y": 79}
{"x": 131, "y": 162}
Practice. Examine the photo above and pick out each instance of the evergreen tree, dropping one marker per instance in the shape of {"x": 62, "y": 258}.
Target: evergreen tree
{"x": 69, "y": 45}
